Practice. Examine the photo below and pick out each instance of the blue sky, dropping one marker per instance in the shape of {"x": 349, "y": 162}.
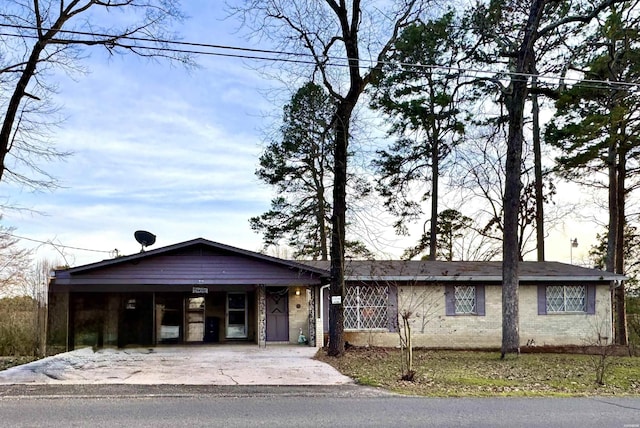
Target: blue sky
{"x": 162, "y": 148}
{"x": 155, "y": 146}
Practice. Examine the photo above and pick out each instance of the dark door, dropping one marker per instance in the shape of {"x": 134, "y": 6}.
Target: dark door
{"x": 277, "y": 314}
{"x": 136, "y": 320}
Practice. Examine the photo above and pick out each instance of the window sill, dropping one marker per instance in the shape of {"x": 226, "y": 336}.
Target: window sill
{"x": 567, "y": 313}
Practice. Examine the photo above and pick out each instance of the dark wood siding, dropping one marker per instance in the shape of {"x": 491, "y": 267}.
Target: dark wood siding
{"x": 198, "y": 265}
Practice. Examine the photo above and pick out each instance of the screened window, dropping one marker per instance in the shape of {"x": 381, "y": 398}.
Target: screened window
{"x": 566, "y": 298}
{"x": 465, "y": 299}
{"x": 365, "y": 307}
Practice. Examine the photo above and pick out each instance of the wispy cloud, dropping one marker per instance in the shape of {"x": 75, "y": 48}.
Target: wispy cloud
{"x": 156, "y": 147}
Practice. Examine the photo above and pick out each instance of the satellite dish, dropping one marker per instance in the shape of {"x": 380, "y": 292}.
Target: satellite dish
{"x": 144, "y": 238}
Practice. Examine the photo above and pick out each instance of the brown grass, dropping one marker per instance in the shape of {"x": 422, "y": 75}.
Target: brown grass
{"x": 475, "y": 373}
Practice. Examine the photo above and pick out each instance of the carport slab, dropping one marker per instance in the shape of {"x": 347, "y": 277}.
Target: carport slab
{"x": 180, "y": 365}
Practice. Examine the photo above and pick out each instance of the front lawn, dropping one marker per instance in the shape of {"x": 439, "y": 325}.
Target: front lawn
{"x": 471, "y": 373}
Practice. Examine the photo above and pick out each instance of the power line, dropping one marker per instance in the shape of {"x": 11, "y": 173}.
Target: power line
{"x": 148, "y": 39}
{"x": 311, "y": 60}
{"x": 49, "y": 242}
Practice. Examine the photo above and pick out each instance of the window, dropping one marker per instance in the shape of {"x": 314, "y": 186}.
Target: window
{"x": 366, "y": 307}
{"x": 553, "y": 299}
{"x": 464, "y": 300}
{"x": 566, "y": 298}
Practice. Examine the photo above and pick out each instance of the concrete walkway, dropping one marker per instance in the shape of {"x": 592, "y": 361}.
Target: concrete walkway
{"x": 180, "y": 365}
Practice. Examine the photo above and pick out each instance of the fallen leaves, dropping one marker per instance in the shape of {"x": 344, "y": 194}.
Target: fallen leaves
{"x": 471, "y": 373}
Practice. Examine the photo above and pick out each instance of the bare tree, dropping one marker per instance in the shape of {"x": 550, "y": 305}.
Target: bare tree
{"x": 36, "y": 286}
{"x": 345, "y": 44}
{"x": 558, "y": 17}
{"x": 480, "y": 174}
{"x": 40, "y": 36}
{"x": 14, "y": 264}
{"x": 420, "y": 305}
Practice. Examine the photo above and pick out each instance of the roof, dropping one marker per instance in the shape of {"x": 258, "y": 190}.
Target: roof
{"x": 444, "y": 271}
{"x": 198, "y": 262}
{"x": 216, "y": 271}
{"x": 191, "y": 243}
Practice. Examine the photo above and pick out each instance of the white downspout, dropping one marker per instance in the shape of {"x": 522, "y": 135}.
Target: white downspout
{"x": 321, "y": 339}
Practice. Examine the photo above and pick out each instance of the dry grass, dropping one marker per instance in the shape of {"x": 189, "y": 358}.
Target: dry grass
{"x": 19, "y": 328}
{"x": 6, "y": 362}
{"x": 460, "y": 373}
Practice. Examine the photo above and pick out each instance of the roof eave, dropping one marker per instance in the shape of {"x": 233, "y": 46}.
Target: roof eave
{"x": 481, "y": 278}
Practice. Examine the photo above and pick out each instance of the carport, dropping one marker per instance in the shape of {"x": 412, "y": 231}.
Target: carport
{"x": 194, "y": 292}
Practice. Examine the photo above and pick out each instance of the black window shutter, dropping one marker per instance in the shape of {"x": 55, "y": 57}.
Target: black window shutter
{"x": 392, "y": 309}
{"x": 591, "y": 299}
{"x": 450, "y": 299}
{"x": 542, "y": 300}
{"x": 480, "y": 300}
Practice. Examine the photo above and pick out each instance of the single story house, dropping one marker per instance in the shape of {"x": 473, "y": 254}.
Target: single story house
{"x": 200, "y": 291}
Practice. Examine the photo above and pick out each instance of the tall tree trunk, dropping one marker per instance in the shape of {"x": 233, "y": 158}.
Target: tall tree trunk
{"x": 621, "y": 336}
{"x": 321, "y": 216}
{"x": 612, "y": 233}
{"x": 537, "y": 160}
{"x": 513, "y": 171}
{"x": 433, "y": 242}
{"x": 349, "y": 25}
{"x": 336, "y": 287}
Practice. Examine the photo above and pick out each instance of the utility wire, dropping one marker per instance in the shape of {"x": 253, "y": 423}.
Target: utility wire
{"x": 331, "y": 61}
{"x": 277, "y": 56}
{"x": 56, "y": 245}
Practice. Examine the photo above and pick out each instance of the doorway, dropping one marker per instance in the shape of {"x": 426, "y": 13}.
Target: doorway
{"x": 236, "y": 318}
{"x": 169, "y": 318}
{"x": 136, "y": 320}
{"x": 277, "y": 314}
{"x": 195, "y": 319}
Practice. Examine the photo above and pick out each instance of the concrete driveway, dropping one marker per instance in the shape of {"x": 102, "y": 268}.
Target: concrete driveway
{"x": 180, "y": 365}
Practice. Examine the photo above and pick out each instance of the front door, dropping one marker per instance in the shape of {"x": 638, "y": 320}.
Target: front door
{"x": 277, "y": 314}
{"x": 236, "y": 315}
{"x": 195, "y": 319}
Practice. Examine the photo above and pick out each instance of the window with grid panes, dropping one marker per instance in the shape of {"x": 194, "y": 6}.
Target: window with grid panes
{"x": 465, "y": 299}
{"x": 566, "y": 298}
{"x": 365, "y": 307}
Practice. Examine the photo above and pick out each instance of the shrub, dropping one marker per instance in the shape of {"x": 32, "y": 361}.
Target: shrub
{"x": 19, "y": 327}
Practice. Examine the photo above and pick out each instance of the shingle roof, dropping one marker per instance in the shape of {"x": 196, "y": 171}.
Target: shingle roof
{"x": 422, "y": 270}
{"x": 191, "y": 243}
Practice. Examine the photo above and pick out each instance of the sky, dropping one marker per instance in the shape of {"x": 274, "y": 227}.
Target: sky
{"x": 171, "y": 150}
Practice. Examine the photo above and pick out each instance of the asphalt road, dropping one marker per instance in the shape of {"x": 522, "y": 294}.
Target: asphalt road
{"x": 337, "y": 406}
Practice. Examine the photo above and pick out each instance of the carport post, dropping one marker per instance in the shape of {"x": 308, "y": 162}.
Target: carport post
{"x": 262, "y": 316}
{"x": 312, "y": 315}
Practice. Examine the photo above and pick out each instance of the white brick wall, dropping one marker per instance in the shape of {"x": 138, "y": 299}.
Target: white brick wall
{"x": 564, "y": 329}
{"x": 431, "y": 327}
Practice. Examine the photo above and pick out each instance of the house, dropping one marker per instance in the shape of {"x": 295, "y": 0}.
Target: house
{"x": 192, "y": 292}
{"x": 200, "y": 291}
{"x": 458, "y": 304}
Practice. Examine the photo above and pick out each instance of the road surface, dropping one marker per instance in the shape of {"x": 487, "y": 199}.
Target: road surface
{"x": 338, "y": 406}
